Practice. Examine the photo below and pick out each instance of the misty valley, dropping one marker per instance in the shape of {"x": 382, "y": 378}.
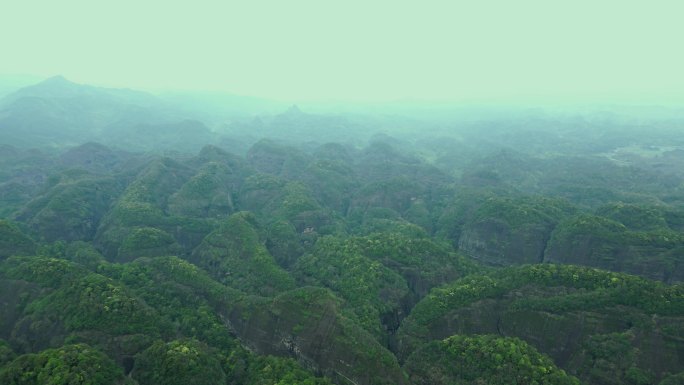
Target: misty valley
{"x": 214, "y": 239}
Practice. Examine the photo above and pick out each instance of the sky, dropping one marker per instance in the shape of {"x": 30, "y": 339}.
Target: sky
{"x": 369, "y": 50}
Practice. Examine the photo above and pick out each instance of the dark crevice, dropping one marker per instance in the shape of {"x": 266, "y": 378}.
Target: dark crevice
{"x": 545, "y": 245}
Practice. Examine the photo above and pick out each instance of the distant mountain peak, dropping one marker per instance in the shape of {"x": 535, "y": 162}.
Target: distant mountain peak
{"x": 57, "y": 82}
{"x": 56, "y": 86}
{"x": 59, "y": 87}
{"x": 57, "y": 79}
{"x": 294, "y": 111}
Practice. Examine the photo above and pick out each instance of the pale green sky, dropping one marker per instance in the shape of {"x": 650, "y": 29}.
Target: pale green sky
{"x": 360, "y": 50}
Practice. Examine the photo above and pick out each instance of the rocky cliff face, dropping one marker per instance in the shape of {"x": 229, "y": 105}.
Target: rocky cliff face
{"x": 568, "y": 337}
{"x": 509, "y": 231}
{"x": 600, "y": 242}
{"x": 586, "y": 321}
{"x": 307, "y": 324}
{"x": 495, "y": 242}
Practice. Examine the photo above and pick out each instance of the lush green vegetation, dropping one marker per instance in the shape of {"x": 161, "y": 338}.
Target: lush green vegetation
{"x": 484, "y": 359}
{"x": 534, "y": 300}
{"x": 234, "y": 255}
{"x": 178, "y": 362}
{"x": 454, "y": 258}
{"x": 68, "y": 365}
{"x": 13, "y": 241}
{"x": 370, "y": 288}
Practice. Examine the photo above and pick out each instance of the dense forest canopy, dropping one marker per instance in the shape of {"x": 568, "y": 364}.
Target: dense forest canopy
{"x": 207, "y": 239}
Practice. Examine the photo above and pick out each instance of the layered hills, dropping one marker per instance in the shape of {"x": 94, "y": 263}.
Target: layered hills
{"x": 144, "y": 247}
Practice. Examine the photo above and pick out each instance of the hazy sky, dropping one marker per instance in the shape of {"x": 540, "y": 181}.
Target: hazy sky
{"x": 361, "y": 50}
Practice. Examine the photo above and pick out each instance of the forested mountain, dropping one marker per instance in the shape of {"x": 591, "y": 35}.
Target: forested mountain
{"x": 141, "y": 244}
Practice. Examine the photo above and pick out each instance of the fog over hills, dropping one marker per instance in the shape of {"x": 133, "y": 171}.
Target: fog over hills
{"x": 210, "y": 238}
{"x": 353, "y": 193}
{"x": 59, "y": 112}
